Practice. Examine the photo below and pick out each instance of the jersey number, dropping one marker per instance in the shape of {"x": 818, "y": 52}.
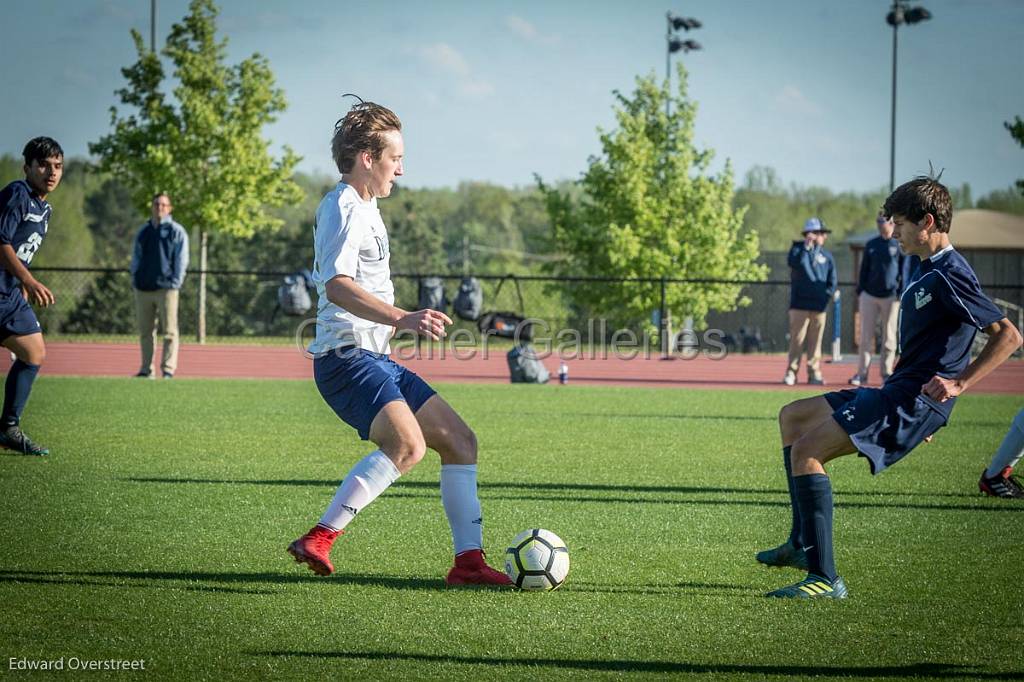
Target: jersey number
{"x": 28, "y": 250}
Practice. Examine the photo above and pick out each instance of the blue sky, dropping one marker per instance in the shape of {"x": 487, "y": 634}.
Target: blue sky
{"x": 496, "y": 91}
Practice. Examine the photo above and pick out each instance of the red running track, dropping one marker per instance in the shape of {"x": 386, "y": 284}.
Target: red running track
{"x": 276, "y": 362}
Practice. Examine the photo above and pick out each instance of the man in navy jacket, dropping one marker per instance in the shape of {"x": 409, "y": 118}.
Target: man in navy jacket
{"x": 813, "y": 284}
{"x": 878, "y": 289}
{"x": 159, "y": 261}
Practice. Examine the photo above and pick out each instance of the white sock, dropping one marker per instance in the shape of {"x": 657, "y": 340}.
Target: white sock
{"x": 462, "y": 506}
{"x": 1010, "y": 452}
{"x": 365, "y": 481}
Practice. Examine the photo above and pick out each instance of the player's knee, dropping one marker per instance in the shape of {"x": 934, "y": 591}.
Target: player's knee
{"x": 35, "y": 355}
{"x": 789, "y": 418}
{"x": 466, "y": 446}
{"x": 801, "y": 453}
{"x": 413, "y": 449}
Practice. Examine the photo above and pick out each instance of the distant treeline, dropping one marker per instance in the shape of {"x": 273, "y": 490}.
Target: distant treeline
{"x": 478, "y": 227}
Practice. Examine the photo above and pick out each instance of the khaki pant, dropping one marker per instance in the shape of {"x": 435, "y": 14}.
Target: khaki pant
{"x": 810, "y": 326}
{"x": 872, "y": 311}
{"x": 151, "y": 306}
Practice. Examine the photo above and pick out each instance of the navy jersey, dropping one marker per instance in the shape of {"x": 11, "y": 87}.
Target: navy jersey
{"x": 23, "y": 221}
{"x": 941, "y": 311}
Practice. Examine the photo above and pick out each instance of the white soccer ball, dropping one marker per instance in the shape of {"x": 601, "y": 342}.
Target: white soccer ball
{"x": 537, "y": 560}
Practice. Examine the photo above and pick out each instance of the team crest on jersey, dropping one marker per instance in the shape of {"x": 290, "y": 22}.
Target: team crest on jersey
{"x": 893, "y": 250}
{"x": 921, "y": 298}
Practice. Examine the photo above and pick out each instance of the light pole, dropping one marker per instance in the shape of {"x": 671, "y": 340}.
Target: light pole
{"x": 674, "y": 44}
{"x": 900, "y": 13}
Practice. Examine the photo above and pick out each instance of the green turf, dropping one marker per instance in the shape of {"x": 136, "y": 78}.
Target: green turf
{"x": 157, "y": 529}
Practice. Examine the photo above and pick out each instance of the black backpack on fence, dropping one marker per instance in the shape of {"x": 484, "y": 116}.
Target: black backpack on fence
{"x": 525, "y": 367}
{"x": 469, "y": 302}
{"x": 293, "y": 294}
{"x": 432, "y": 294}
{"x": 507, "y": 325}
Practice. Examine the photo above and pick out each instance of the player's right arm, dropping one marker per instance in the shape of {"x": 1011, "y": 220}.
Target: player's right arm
{"x": 34, "y": 290}
{"x": 343, "y": 292}
{"x": 1003, "y": 341}
{"x": 12, "y": 211}
{"x": 338, "y": 235}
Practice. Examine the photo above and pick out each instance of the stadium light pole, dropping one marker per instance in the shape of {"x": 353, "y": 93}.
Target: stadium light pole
{"x": 152, "y": 25}
{"x": 674, "y": 44}
{"x": 901, "y": 13}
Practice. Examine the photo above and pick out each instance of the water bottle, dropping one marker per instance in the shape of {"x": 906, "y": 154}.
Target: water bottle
{"x": 563, "y": 372}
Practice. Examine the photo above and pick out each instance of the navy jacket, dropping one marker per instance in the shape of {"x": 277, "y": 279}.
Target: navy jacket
{"x": 812, "y": 277}
{"x": 160, "y": 256}
{"x": 880, "y": 268}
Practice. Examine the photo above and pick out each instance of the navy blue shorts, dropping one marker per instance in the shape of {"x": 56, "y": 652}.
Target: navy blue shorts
{"x": 17, "y": 317}
{"x": 357, "y": 383}
{"x": 883, "y": 430}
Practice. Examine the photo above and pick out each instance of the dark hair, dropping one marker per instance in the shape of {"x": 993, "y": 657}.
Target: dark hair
{"x": 40, "y": 149}
{"x": 919, "y": 197}
{"x": 361, "y": 130}
{"x": 161, "y": 194}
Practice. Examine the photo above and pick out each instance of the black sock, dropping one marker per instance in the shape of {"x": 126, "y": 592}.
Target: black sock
{"x": 794, "y": 528}
{"x": 814, "y": 496}
{"x": 16, "y": 390}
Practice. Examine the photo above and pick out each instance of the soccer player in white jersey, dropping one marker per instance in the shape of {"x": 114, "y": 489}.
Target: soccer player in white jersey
{"x": 385, "y": 402}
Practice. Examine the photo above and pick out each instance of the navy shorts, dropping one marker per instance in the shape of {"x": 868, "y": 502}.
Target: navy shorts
{"x": 17, "y": 317}
{"x": 357, "y": 383}
{"x": 883, "y": 430}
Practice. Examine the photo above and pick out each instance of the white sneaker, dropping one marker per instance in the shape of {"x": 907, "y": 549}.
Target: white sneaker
{"x": 855, "y": 380}
{"x": 789, "y": 379}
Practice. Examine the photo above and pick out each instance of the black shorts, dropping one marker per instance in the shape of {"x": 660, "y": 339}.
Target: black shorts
{"x": 17, "y": 317}
{"x": 883, "y": 430}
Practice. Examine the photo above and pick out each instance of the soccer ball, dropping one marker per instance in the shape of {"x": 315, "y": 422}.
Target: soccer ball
{"x": 537, "y": 560}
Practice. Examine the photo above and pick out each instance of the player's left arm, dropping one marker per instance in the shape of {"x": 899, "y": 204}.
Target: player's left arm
{"x": 1003, "y": 340}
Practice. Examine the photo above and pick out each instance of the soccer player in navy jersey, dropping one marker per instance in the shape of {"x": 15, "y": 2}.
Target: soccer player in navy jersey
{"x": 24, "y": 216}
{"x": 942, "y": 308}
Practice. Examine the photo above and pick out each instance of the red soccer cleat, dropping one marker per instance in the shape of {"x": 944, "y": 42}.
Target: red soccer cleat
{"x": 1004, "y": 484}
{"x": 471, "y": 569}
{"x": 314, "y": 549}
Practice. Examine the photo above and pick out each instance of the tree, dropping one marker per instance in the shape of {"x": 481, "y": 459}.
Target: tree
{"x": 1017, "y": 132}
{"x": 650, "y": 208}
{"x": 203, "y": 147}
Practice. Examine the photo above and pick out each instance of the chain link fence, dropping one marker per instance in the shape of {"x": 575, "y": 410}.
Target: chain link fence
{"x": 99, "y": 305}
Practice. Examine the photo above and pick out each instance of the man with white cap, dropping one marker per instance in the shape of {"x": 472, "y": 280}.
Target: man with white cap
{"x": 813, "y": 283}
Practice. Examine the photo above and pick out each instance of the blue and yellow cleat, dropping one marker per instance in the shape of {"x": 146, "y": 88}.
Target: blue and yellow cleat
{"x": 784, "y": 555}
{"x": 812, "y": 586}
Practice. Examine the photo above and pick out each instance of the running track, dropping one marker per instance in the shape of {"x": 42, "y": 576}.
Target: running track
{"x": 276, "y": 362}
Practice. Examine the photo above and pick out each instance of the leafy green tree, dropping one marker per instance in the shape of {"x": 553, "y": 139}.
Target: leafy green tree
{"x": 650, "y": 208}
{"x": 204, "y": 145}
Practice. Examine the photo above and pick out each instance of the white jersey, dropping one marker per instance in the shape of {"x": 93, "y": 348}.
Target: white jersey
{"x": 349, "y": 238}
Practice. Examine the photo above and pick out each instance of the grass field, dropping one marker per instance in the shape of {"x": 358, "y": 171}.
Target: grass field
{"x": 157, "y": 531}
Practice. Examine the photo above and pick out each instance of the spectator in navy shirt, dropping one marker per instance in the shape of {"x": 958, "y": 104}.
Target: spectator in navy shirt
{"x": 813, "y": 284}
{"x": 159, "y": 261}
{"x": 942, "y": 310}
{"x": 24, "y": 218}
{"x": 878, "y": 289}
